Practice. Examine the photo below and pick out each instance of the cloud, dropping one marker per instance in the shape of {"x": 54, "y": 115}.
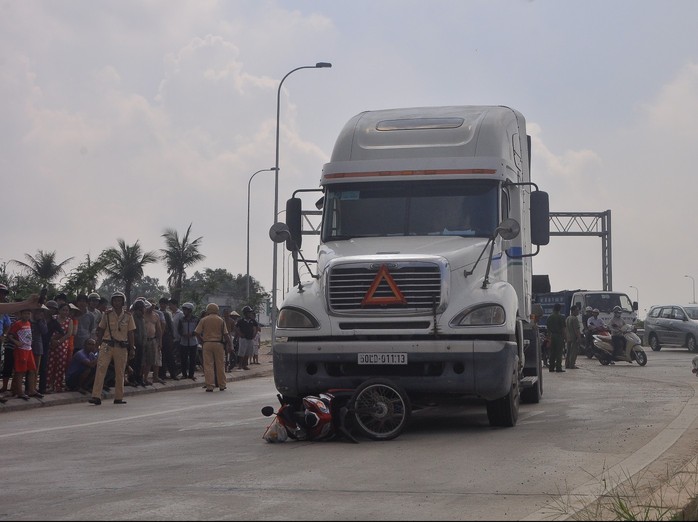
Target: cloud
{"x": 674, "y": 113}
{"x": 122, "y": 118}
{"x": 567, "y": 176}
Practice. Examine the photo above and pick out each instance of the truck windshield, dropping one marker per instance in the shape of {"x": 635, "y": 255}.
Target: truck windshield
{"x": 416, "y": 208}
{"x": 606, "y": 302}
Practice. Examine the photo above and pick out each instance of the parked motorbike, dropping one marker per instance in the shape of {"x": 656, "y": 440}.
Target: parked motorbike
{"x": 377, "y": 409}
{"x": 603, "y": 348}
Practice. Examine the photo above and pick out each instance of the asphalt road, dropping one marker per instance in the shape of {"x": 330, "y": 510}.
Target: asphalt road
{"x": 186, "y": 454}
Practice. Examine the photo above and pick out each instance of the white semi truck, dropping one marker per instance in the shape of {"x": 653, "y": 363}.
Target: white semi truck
{"x": 423, "y": 275}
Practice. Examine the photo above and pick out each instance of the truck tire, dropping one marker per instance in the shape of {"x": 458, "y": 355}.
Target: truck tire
{"x": 504, "y": 412}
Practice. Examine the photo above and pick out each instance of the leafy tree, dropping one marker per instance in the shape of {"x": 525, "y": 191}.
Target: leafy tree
{"x": 22, "y": 286}
{"x": 125, "y": 265}
{"x": 5, "y": 278}
{"x": 43, "y": 266}
{"x": 179, "y": 255}
{"x": 148, "y": 287}
{"x": 83, "y": 278}
{"x": 220, "y": 282}
{"x": 207, "y": 283}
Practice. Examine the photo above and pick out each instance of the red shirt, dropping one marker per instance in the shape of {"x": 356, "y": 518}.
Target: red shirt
{"x": 22, "y": 331}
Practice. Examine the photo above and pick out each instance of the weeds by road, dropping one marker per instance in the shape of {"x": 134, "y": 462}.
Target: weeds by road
{"x": 670, "y": 496}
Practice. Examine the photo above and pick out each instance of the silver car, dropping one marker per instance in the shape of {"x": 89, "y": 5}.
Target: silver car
{"x": 672, "y": 325}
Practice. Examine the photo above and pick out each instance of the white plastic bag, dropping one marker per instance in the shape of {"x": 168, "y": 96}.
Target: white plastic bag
{"x": 275, "y": 432}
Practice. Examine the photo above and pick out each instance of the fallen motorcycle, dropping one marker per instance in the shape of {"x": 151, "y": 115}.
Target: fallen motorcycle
{"x": 378, "y": 409}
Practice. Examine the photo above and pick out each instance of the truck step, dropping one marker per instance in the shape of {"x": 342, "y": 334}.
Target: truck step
{"x": 528, "y": 382}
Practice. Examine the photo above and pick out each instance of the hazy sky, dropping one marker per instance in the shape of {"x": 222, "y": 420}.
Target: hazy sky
{"x": 120, "y": 119}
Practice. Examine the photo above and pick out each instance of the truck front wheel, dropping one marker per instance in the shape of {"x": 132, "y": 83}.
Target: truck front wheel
{"x": 504, "y": 412}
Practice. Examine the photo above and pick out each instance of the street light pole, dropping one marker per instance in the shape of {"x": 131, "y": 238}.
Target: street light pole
{"x": 248, "y": 227}
{"x": 319, "y": 65}
{"x": 694, "y": 288}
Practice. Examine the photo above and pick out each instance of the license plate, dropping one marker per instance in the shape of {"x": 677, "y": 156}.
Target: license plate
{"x": 382, "y": 358}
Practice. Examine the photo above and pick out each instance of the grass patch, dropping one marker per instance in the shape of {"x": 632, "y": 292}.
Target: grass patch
{"x": 673, "y": 495}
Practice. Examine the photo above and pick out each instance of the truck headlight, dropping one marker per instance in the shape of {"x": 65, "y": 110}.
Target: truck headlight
{"x": 296, "y": 318}
{"x": 485, "y": 315}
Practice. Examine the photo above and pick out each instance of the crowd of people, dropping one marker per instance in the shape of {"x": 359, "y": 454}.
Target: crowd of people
{"x": 569, "y": 330}
{"x": 92, "y": 344}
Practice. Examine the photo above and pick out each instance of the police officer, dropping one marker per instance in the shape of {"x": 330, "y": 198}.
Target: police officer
{"x": 556, "y": 329}
{"x": 116, "y": 343}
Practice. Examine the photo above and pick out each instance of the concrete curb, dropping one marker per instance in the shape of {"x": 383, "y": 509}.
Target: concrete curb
{"x": 264, "y": 369}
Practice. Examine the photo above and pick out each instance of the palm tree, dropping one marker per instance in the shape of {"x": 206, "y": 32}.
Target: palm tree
{"x": 83, "y": 278}
{"x": 43, "y": 267}
{"x": 179, "y": 255}
{"x": 125, "y": 264}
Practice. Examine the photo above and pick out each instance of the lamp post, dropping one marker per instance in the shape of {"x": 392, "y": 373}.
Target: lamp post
{"x": 637, "y": 293}
{"x": 319, "y": 65}
{"x": 694, "y": 288}
{"x": 248, "y": 226}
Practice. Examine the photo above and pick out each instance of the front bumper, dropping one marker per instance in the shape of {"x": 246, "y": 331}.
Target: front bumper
{"x": 472, "y": 368}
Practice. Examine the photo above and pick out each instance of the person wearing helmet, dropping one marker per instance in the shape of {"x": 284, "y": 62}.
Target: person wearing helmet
{"x": 188, "y": 343}
{"x": 615, "y": 326}
{"x": 169, "y": 362}
{"x": 92, "y": 306}
{"x": 246, "y": 329}
{"x": 115, "y": 338}
{"x": 213, "y": 336}
{"x": 231, "y": 349}
{"x": 556, "y": 330}
{"x": 595, "y": 324}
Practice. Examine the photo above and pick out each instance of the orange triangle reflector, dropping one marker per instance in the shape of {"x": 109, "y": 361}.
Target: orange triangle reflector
{"x": 371, "y": 299}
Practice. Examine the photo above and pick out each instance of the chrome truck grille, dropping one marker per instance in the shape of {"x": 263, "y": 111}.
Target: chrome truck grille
{"x": 414, "y": 287}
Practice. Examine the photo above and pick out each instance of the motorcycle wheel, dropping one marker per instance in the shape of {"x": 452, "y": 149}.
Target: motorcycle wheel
{"x": 604, "y": 361}
{"x": 640, "y": 356}
{"x": 380, "y": 408}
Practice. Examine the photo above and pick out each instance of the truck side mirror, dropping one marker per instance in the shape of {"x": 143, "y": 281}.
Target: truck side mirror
{"x": 540, "y": 218}
{"x": 294, "y": 216}
{"x": 508, "y": 229}
{"x": 279, "y": 232}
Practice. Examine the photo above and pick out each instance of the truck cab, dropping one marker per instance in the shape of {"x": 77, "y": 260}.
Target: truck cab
{"x": 429, "y": 222}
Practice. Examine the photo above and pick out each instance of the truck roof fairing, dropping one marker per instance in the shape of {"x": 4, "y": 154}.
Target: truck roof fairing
{"x": 430, "y": 141}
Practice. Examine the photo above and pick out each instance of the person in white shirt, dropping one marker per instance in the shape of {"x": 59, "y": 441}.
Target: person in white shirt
{"x": 616, "y": 327}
